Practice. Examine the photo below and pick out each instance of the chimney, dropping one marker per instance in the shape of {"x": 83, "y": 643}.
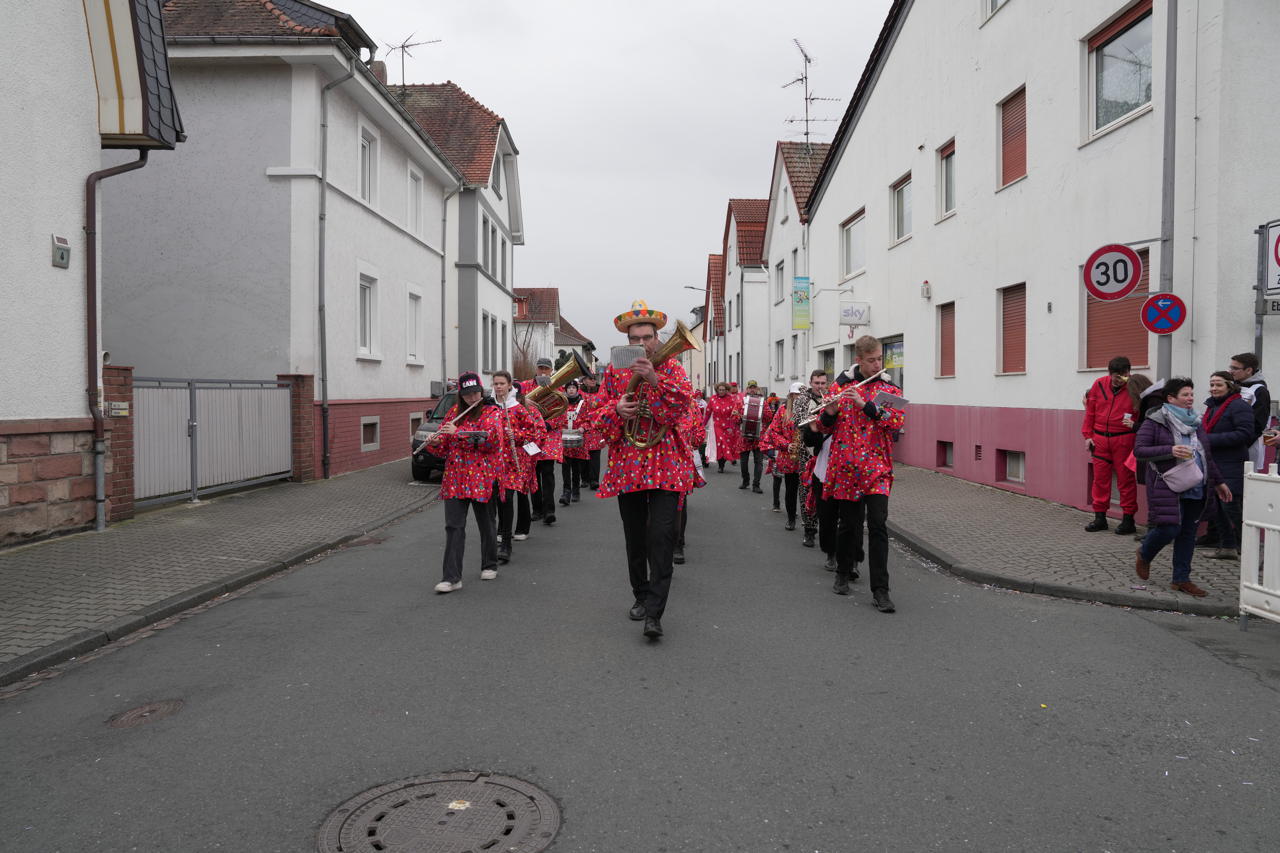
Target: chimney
{"x": 379, "y": 69}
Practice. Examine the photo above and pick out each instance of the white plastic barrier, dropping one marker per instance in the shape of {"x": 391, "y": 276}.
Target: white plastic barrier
{"x": 1260, "y": 546}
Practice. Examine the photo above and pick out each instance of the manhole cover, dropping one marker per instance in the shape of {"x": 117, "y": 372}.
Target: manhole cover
{"x": 145, "y": 713}
{"x": 447, "y": 813}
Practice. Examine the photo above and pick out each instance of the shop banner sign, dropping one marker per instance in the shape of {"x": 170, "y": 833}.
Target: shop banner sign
{"x": 800, "y": 317}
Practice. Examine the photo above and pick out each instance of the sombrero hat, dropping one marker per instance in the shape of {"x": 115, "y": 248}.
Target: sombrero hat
{"x": 639, "y": 313}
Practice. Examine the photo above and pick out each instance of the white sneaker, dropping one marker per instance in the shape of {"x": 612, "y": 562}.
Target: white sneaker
{"x": 488, "y": 574}
{"x": 445, "y": 586}
{"x": 520, "y": 537}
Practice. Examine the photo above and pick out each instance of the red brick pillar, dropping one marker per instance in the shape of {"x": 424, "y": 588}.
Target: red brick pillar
{"x": 302, "y": 408}
{"x": 117, "y": 387}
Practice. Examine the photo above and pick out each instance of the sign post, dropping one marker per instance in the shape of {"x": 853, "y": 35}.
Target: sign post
{"x": 1267, "y": 288}
{"x": 1112, "y": 272}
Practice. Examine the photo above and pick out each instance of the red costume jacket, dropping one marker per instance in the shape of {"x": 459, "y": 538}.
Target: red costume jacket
{"x": 778, "y": 437}
{"x": 669, "y": 464}
{"x": 861, "y": 461}
{"x": 521, "y": 424}
{"x": 1105, "y": 410}
{"x": 766, "y": 417}
{"x": 725, "y": 414}
{"x": 592, "y": 401}
{"x": 552, "y": 447}
{"x": 470, "y": 472}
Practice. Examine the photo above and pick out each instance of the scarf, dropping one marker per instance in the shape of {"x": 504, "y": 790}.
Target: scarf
{"x": 1180, "y": 420}
{"x": 1212, "y": 418}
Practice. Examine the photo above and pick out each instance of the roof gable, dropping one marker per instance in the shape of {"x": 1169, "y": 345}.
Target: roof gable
{"x": 714, "y": 304}
{"x": 288, "y": 18}
{"x": 464, "y": 129}
{"x": 539, "y": 304}
{"x": 802, "y": 163}
{"x": 748, "y": 216}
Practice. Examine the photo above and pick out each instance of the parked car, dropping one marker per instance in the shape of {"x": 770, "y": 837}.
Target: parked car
{"x": 422, "y": 464}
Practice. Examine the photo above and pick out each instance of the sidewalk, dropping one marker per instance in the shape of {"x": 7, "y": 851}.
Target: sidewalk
{"x": 63, "y": 597}
{"x": 1004, "y": 539}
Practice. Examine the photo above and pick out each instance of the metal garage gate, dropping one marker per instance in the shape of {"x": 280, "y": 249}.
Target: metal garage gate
{"x": 195, "y": 436}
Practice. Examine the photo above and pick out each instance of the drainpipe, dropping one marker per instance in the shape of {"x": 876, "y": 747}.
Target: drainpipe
{"x": 1164, "y": 343}
{"x": 444, "y": 266}
{"x": 92, "y": 348}
{"x": 324, "y": 206}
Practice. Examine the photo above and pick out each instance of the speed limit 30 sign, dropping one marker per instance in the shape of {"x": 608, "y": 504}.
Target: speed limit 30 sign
{"x": 1112, "y": 272}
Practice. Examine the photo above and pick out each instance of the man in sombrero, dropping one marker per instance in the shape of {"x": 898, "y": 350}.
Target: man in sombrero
{"x": 648, "y": 481}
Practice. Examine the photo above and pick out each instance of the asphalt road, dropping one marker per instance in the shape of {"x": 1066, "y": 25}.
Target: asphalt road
{"x": 774, "y": 715}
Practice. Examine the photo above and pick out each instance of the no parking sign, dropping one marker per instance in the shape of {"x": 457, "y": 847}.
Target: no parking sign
{"x": 1163, "y": 313}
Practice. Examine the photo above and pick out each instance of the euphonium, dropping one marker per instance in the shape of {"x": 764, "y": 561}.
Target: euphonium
{"x": 641, "y": 431}
{"x": 547, "y": 399}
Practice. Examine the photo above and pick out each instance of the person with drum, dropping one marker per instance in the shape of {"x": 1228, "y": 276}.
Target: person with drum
{"x": 650, "y": 462}
{"x": 755, "y": 420}
{"x": 724, "y": 412}
{"x": 573, "y": 470}
{"x": 469, "y": 441}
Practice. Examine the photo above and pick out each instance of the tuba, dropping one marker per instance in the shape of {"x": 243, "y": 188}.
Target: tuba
{"x": 547, "y": 399}
{"x": 641, "y": 431}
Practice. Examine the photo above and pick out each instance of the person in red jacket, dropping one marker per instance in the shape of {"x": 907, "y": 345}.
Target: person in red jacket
{"x": 470, "y": 472}
{"x": 1110, "y": 423}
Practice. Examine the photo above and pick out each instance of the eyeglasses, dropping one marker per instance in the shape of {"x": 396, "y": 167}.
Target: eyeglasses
{"x": 640, "y": 339}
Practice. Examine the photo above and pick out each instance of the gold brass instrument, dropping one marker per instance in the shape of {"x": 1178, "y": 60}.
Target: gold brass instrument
{"x": 641, "y": 431}
{"x": 547, "y": 399}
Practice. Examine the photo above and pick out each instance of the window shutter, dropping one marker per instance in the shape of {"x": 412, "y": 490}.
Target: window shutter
{"x": 1120, "y": 24}
{"x": 947, "y": 339}
{"x": 1013, "y": 138}
{"x": 1013, "y": 329}
{"x": 1114, "y": 327}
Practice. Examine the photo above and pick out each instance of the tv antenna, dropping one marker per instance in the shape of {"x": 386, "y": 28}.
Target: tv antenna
{"x": 403, "y": 48}
{"x": 809, "y": 98}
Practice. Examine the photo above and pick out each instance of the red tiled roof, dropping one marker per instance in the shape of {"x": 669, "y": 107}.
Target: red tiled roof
{"x": 750, "y": 215}
{"x": 541, "y": 304}
{"x": 261, "y": 18}
{"x": 715, "y": 296}
{"x": 463, "y": 128}
{"x": 567, "y": 334}
{"x": 803, "y": 162}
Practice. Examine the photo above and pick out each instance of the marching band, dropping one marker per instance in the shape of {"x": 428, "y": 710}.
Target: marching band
{"x": 829, "y": 451}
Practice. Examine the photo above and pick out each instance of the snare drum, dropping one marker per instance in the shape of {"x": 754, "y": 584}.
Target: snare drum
{"x": 572, "y": 438}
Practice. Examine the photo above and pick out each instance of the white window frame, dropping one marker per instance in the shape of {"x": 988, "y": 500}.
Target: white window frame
{"x": 367, "y": 320}
{"x": 946, "y": 164}
{"x": 420, "y": 417}
{"x": 503, "y": 259}
{"x": 493, "y": 343}
{"x": 376, "y": 422}
{"x": 503, "y": 364}
{"x": 795, "y": 356}
{"x": 1021, "y": 466}
{"x": 786, "y": 206}
{"x": 779, "y": 282}
{"x": 780, "y": 357}
{"x": 990, "y": 7}
{"x": 413, "y": 201}
{"x": 367, "y": 178}
{"x": 414, "y": 336}
{"x": 484, "y": 242}
{"x": 858, "y": 220}
{"x": 897, "y": 210}
{"x": 484, "y": 342}
{"x": 1091, "y": 72}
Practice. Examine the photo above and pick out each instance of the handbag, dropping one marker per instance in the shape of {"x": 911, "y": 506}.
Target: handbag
{"x": 1183, "y": 476}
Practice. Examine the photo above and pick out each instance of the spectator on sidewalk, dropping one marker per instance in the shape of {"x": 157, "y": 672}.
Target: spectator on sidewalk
{"x": 1228, "y": 420}
{"x": 1246, "y": 370}
{"x": 1177, "y": 500}
{"x": 1110, "y": 419}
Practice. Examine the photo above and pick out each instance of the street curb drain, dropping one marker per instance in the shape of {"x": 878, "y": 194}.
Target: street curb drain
{"x": 464, "y": 812}
{"x": 147, "y": 713}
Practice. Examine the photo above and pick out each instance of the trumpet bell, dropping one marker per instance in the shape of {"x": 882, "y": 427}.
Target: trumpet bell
{"x": 551, "y": 402}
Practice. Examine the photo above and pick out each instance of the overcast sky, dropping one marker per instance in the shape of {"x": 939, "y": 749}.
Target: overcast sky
{"x": 635, "y": 122}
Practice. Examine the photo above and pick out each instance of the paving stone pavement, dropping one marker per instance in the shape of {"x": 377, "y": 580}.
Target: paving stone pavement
{"x": 1005, "y": 539}
{"x": 64, "y": 596}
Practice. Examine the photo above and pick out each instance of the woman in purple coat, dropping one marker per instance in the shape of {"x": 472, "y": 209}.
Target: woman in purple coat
{"x": 1228, "y": 420}
{"x": 1170, "y": 434}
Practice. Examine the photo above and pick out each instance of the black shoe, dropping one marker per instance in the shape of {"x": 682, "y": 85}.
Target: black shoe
{"x": 830, "y": 564}
{"x": 744, "y": 485}
{"x": 882, "y": 601}
{"x": 790, "y": 525}
{"x": 537, "y": 516}
{"x": 575, "y": 496}
{"x": 854, "y": 574}
{"x": 637, "y": 611}
{"x": 1126, "y": 526}
{"x": 721, "y": 464}
{"x": 1207, "y": 541}
{"x": 808, "y": 539}
{"x": 652, "y": 627}
{"x": 1099, "y": 523}
{"x": 777, "y": 508}
{"x": 734, "y": 463}
{"x": 756, "y": 488}
{"x": 504, "y": 553}
{"x": 549, "y": 519}
{"x": 595, "y": 486}
{"x": 677, "y": 556}
{"x": 564, "y": 498}
{"x": 841, "y": 586}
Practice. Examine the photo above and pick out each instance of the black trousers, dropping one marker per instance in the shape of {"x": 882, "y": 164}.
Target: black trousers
{"x": 574, "y": 473}
{"x": 514, "y": 508}
{"x": 455, "y": 536}
{"x": 544, "y": 500}
{"x": 828, "y": 520}
{"x": 777, "y": 490}
{"x": 523, "y": 512}
{"x": 875, "y": 510}
{"x": 756, "y": 469}
{"x": 793, "y": 488}
{"x": 593, "y": 467}
{"x": 649, "y": 526}
{"x": 682, "y": 523}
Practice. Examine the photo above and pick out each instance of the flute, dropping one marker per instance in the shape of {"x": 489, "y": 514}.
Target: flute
{"x": 437, "y": 433}
{"x": 840, "y": 395}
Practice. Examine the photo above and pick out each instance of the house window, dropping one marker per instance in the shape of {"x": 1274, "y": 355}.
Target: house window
{"x": 1120, "y": 66}
{"x": 795, "y": 262}
{"x": 946, "y": 454}
{"x": 947, "y": 339}
{"x": 902, "y": 208}
{"x": 504, "y": 363}
{"x": 1011, "y": 466}
{"x": 1013, "y": 329}
{"x": 413, "y": 331}
{"x": 368, "y": 165}
{"x": 729, "y": 316}
{"x": 497, "y": 176}
{"x": 795, "y": 356}
{"x": 779, "y": 281}
{"x": 366, "y": 314}
{"x": 415, "y": 202}
{"x": 370, "y": 429}
{"x": 779, "y": 365}
{"x": 947, "y": 178}
{"x": 415, "y": 421}
{"x": 993, "y": 6}
{"x": 493, "y": 248}
{"x": 484, "y": 243}
{"x": 853, "y": 244}
{"x": 493, "y": 343}
{"x": 1112, "y": 327}
{"x": 503, "y": 257}
{"x": 828, "y": 359}
{"x": 484, "y": 342}
{"x": 1013, "y": 137}
{"x": 786, "y": 204}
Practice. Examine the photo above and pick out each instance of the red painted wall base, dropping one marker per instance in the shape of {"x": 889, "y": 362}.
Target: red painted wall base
{"x": 347, "y": 432}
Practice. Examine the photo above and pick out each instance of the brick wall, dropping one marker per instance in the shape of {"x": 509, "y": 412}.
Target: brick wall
{"x": 117, "y": 382}
{"x": 46, "y": 477}
{"x": 345, "y": 428}
{"x": 304, "y": 414}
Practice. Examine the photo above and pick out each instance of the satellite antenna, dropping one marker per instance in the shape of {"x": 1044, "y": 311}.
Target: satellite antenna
{"x": 403, "y": 48}
{"x": 808, "y": 97}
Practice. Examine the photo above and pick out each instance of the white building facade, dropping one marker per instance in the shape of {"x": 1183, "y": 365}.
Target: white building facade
{"x": 746, "y": 296}
{"x": 989, "y": 148}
